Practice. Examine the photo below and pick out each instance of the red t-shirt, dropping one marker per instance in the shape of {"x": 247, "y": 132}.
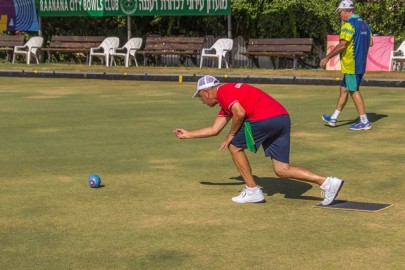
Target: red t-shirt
{"x": 257, "y": 104}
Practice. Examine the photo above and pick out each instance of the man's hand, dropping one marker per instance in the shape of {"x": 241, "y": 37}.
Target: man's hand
{"x": 338, "y": 49}
{"x": 238, "y": 116}
{"x": 226, "y": 142}
{"x": 181, "y": 133}
{"x": 323, "y": 62}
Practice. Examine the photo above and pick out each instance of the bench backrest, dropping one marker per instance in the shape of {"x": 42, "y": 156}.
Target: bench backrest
{"x": 11, "y": 41}
{"x": 176, "y": 44}
{"x": 85, "y": 42}
{"x": 303, "y": 45}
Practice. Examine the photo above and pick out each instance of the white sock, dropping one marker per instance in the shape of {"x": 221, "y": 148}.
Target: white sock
{"x": 251, "y": 188}
{"x": 335, "y": 115}
{"x": 363, "y": 118}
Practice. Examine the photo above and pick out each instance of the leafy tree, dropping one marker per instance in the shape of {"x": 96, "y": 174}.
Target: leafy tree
{"x": 313, "y": 18}
{"x": 189, "y": 25}
{"x": 385, "y": 17}
{"x": 250, "y": 19}
{"x": 285, "y": 18}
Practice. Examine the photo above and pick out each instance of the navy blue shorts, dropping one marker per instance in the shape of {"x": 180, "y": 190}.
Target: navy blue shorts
{"x": 272, "y": 133}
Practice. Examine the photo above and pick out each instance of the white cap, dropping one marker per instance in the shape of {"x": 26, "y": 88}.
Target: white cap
{"x": 206, "y": 82}
{"x": 345, "y": 4}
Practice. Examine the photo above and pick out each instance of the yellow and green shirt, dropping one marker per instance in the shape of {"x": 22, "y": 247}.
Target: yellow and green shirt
{"x": 357, "y": 33}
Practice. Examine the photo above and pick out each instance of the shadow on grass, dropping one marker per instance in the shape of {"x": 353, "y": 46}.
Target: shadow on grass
{"x": 101, "y": 186}
{"x": 270, "y": 185}
{"x": 372, "y": 117}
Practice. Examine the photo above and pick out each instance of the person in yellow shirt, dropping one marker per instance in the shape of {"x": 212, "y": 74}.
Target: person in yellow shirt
{"x": 355, "y": 40}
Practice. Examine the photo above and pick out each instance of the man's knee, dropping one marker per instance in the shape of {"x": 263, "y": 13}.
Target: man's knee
{"x": 233, "y": 149}
{"x": 343, "y": 90}
{"x": 282, "y": 171}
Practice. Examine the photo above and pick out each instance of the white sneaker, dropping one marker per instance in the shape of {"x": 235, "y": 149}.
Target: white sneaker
{"x": 250, "y": 196}
{"x": 330, "y": 189}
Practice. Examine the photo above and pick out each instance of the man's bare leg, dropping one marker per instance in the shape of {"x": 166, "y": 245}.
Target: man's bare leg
{"x": 285, "y": 170}
{"x": 242, "y": 164}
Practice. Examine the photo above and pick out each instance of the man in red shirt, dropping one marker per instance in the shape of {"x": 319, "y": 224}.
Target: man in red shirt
{"x": 257, "y": 120}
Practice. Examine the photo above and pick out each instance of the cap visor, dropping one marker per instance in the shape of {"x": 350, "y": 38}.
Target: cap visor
{"x": 195, "y": 94}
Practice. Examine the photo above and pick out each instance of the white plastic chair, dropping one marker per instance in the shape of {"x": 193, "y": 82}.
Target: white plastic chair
{"x": 104, "y": 50}
{"x": 398, "y": 55}
{"x": 127, "y": 52}
{"x": 218, "y": 51}
{"x": 30, "y": 48}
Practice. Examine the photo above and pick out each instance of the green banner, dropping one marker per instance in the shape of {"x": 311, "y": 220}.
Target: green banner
{"x": 133, "y": 7}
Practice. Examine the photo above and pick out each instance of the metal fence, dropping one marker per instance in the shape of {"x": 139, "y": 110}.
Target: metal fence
{"x": 238, "y": 60}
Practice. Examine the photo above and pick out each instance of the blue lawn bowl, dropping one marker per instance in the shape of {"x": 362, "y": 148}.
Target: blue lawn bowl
{"x": 94, "y": 181}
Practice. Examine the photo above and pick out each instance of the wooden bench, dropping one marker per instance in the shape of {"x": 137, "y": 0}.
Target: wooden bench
{"x": 278, "y": 47}
{"x": 186, "y": 47}
{"x": 7, "y": 43}
{"x": 72, "y": 44}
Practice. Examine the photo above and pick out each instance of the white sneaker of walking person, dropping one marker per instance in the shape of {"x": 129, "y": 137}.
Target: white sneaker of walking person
{"x": 250, "y": 195}
{"x": 330, "y": 189}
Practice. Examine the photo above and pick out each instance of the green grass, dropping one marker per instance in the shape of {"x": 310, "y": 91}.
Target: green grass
{"x": 165, "y": 203}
